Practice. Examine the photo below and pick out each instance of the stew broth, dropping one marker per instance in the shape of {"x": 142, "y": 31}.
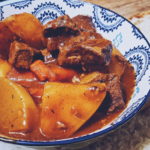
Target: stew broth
{"x": 99, "y": 119}
{"x": 63, "y": 52}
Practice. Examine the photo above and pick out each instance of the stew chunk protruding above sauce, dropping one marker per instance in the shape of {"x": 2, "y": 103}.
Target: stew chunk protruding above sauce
{"x": 59, "y": 80}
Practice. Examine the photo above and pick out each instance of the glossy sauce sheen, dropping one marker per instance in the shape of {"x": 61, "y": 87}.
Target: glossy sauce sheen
{"x": 98, "y": 120}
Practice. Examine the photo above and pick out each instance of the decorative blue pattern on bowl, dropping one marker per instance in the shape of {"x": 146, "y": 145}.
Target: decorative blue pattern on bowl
{"x": 137, "y": 33}
{"x": 106, "y": 20}
{"x": 139, "y": 57}
{"x": 74, "y": 3}
{"x": 124, "y": 35}
{"x": 22, "y": 4}
{"x": 48, "y": 11}
{"x": 1, "y": 13}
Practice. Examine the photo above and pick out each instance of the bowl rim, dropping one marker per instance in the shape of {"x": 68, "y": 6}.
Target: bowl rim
{"x": 91, "y": 135}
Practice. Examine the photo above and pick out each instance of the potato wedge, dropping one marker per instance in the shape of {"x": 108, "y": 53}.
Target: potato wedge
{"x": 66, "y": 107}
{"x": 89, "y": 78}
{"x": 18, "y": 111}
{"x": 28, "y": 28}
{"x": 6, "y": 37}
{"x": 5, "y": 67}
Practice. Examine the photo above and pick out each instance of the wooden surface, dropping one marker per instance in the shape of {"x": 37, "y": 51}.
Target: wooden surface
{"x": 126, "y": 8}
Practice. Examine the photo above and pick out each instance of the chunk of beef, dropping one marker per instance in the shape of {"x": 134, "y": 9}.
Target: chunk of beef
{"x": 89, "y": 51}
{"x": 54, "y": 44}
{"x": 84, "y": 36}
{"x": 21, "y": 55}
{"x": 62, "y": 26}
{"x": 116, "y": 95}
{"x": 113, "y": 88}
{"x": 84, "y": 23}
{"x": 118, "y": 63}
{"x": 48, "y": 57}
{"x": 61, "y": 29}
{"x": 58, "y": 31}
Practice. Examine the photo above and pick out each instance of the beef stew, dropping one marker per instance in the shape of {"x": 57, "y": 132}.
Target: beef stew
{"x": 60, "y": 80}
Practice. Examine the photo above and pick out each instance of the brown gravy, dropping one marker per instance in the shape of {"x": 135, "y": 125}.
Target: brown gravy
{"x": 98, "y": 120}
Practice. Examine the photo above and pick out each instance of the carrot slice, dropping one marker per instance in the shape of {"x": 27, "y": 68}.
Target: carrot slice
{"x": 42, "y": 71}
{"x": 63, "y": 74}
{"x": 51, "y": 73}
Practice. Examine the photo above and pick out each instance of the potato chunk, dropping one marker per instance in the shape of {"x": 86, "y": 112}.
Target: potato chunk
{"x": 66, "y": 107}
{"x": 5, "y": 67}
{"x": 6, "y": 37}
{"x": 18, "y": 111}
{"x": 28, "y": 28}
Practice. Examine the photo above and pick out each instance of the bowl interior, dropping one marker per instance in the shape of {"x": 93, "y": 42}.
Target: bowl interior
{"x": 124, "y": 36}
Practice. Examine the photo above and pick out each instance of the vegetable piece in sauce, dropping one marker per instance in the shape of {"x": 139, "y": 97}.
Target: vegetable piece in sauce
{"x": 63, "y": 74}
{"x": 18, "y": 111}
{"x": 42, "y": 71}
{"x": 6, "y": 37}
{"x": 51, "y": 73}
{"x": 18, "y": 76}
{"x": 66, "y": 107}
{"x": 28, "y": 28}
{"x": 5, "y": 67}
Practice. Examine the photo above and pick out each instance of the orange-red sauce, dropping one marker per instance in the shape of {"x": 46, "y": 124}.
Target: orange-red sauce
{"x": 98, "y": 120}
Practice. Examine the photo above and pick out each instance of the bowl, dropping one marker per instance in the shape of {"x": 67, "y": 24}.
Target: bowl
{"x": 124, "y": 36}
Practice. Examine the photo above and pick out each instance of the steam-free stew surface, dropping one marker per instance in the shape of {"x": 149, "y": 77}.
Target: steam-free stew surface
{"x": 98, "y": 120}
{"x": 71, "y": 82}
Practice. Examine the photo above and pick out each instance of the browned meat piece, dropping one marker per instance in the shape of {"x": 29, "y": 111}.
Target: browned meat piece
{"x": 55, "y": 43}
{"x": 62, "y": 26}
{"x": 89, "y": 51}
{"x": 61, "y": 29}
{"x": 116, "y": 95}
{"x": 6, "y": 37}
{"x": 113, "y": 87}
{"x": 58, "y": 31}
{"x": 84, "y": 23}
{"x": 84, "y": 36}
{"x": 21, "y": 55}
{"x": 118, "y": 63}
{"x": 48, "y": 57}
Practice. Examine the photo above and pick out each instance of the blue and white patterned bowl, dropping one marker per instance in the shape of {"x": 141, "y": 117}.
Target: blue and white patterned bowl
{"x": 125, "y": 37}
